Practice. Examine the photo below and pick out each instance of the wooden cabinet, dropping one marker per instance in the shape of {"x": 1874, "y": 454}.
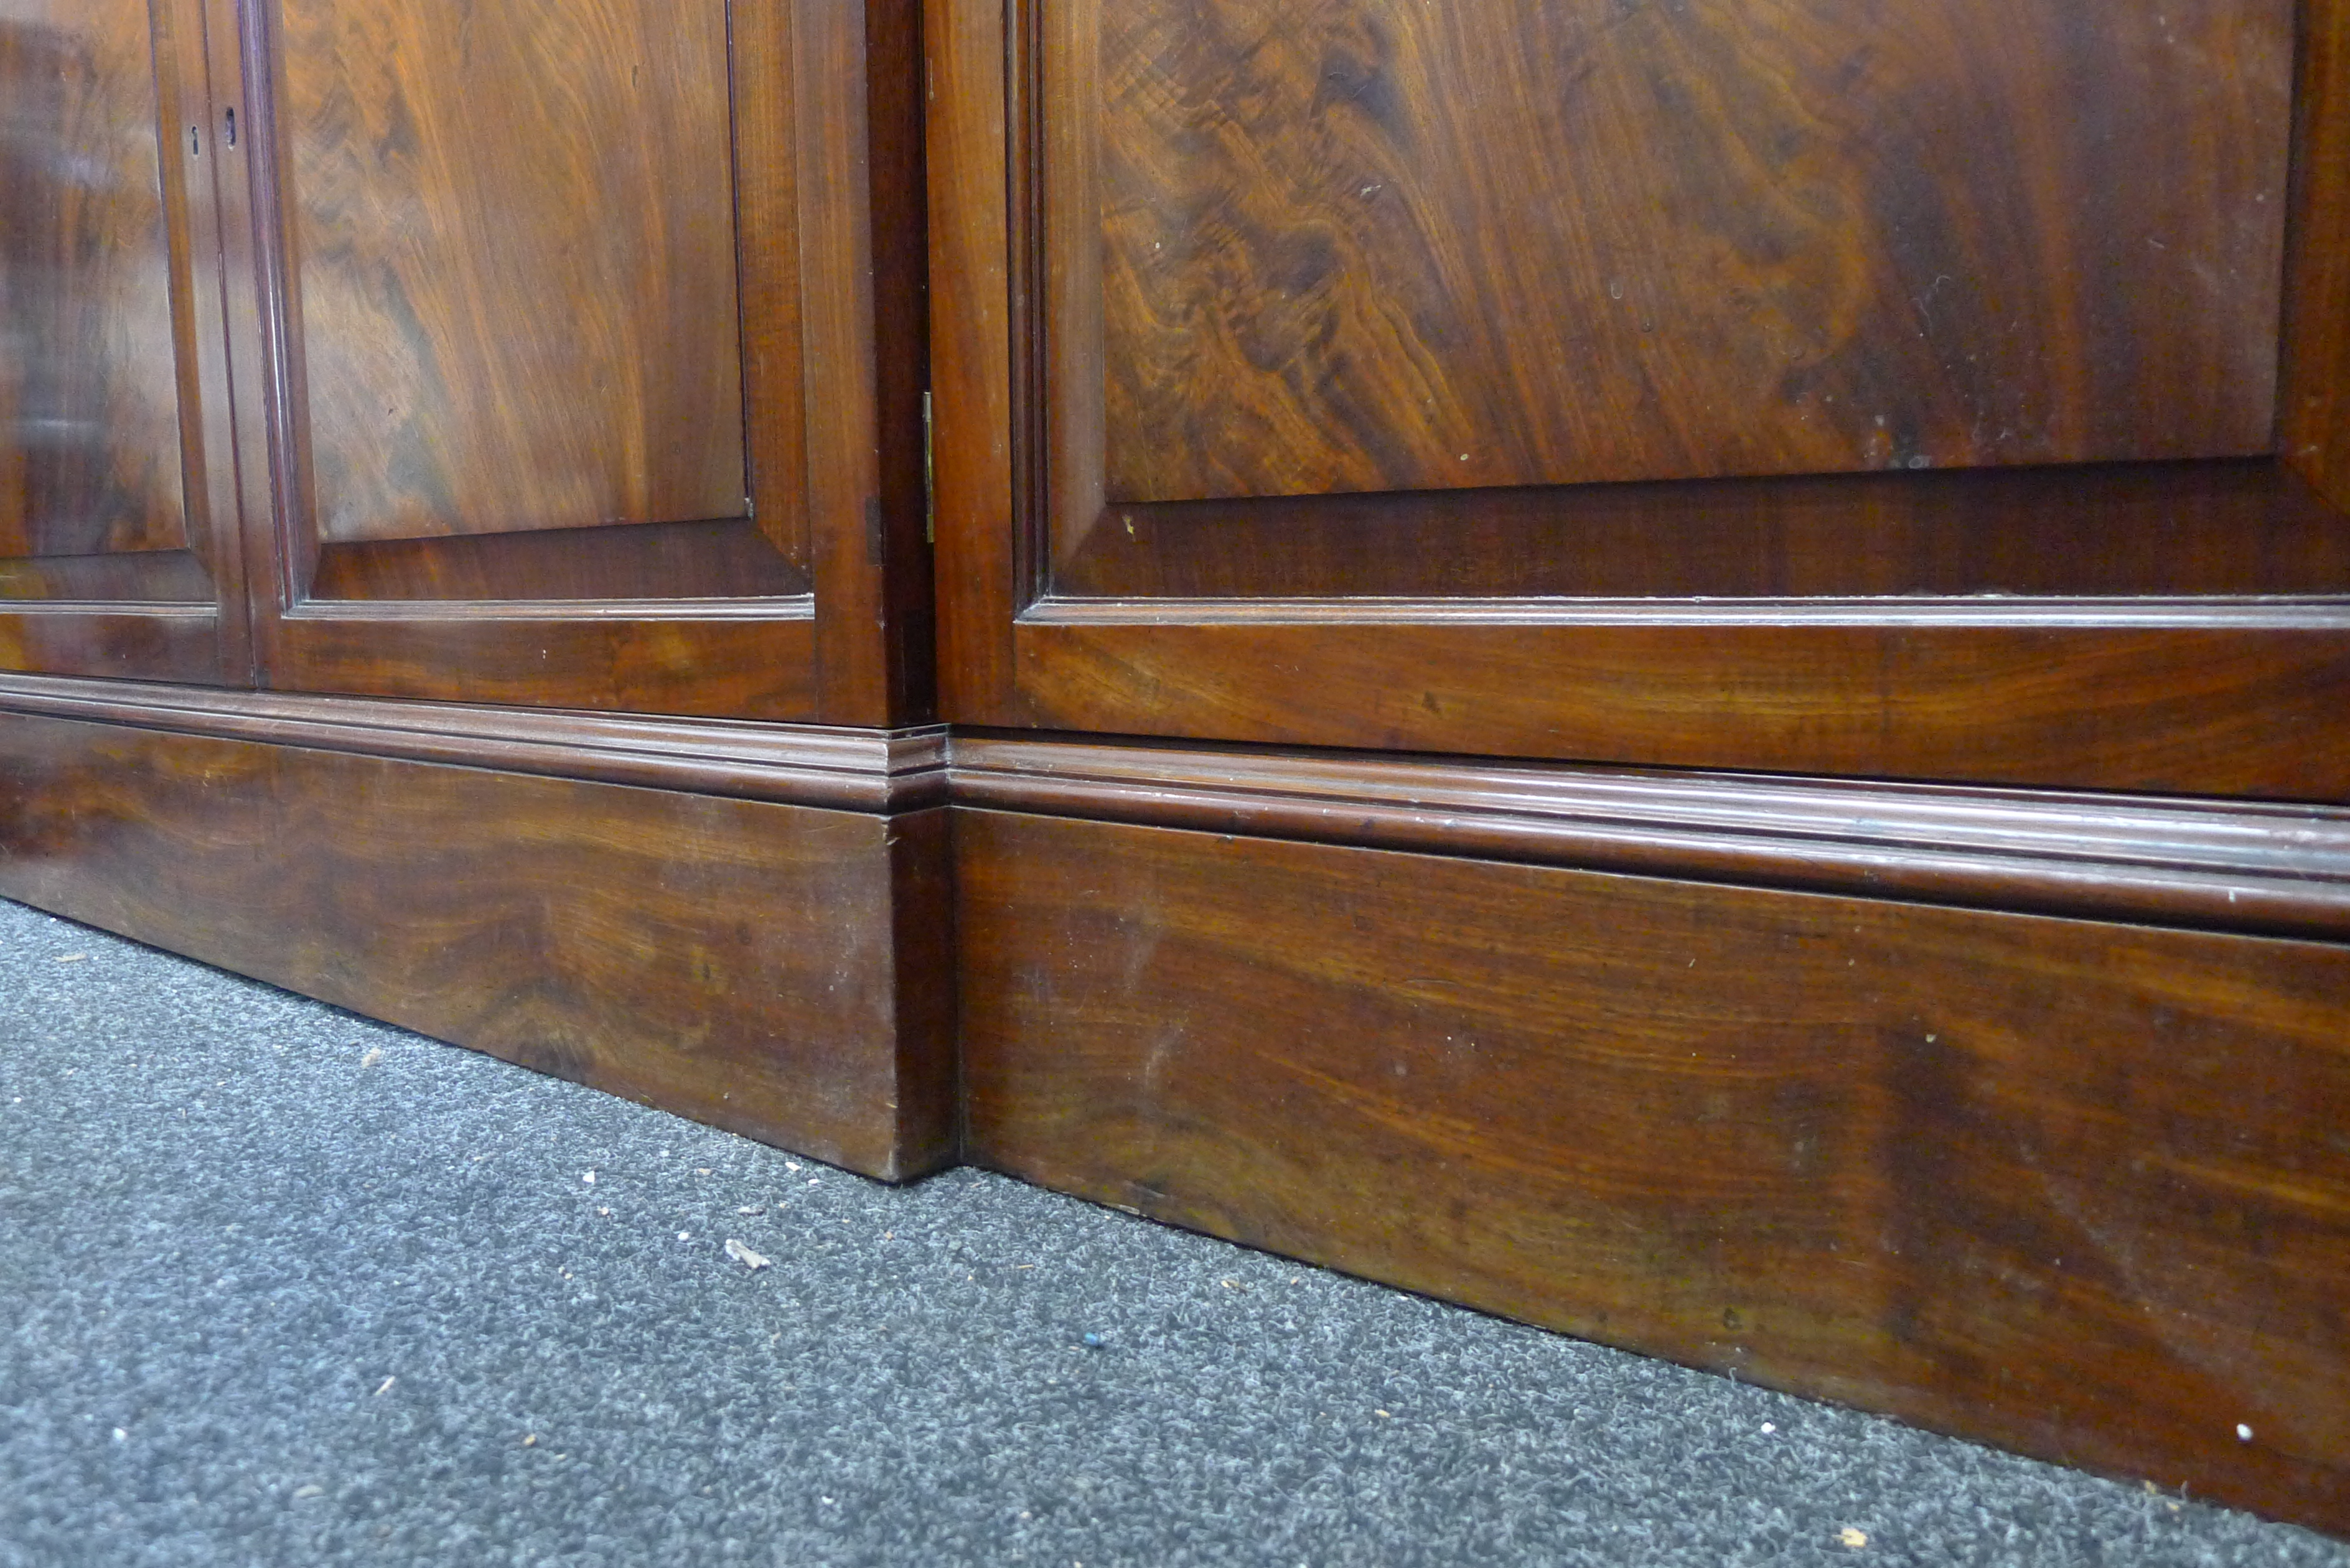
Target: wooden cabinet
{"x": 1715, "y": 639}
{"x": 117, "y": 517}
{"x": 1942, "y": 392}
{"x": 577, "y": 349}
{"x": 499, "y": 406}
{"x": 1720, "y": 630}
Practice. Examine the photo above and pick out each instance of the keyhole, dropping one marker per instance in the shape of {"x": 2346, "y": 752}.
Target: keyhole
{"x": 195, "y": 142}
{"x": 231, "y": 128}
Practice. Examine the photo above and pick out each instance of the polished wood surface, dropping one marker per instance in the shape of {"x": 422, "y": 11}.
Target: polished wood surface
{"x": 1381, "y": 246}
{"x": 2221, "y": 528}
{"x": 116, "y": 453}
{"x": 2315, "y": 423}
{"x": 2068, "y": 695}
{"x": 773, "y": 970}
{"x": 2224, "y": 864}
{"x": 515, "y": 245}
{"x": 89, "y": 376}
{"x": 2075, "y": 1188}
{"x": 676, "y": 210}
{"x": 798, "y": 764}
{"x": 2177, "y": 626}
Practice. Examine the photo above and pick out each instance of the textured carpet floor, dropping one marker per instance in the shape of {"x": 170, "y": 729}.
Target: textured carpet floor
{"x": 279, "y": 1285}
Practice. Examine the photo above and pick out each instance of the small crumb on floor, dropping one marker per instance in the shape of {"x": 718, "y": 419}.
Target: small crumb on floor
{"x": 744, "y": 1255}
{"x": 375, "y": 1054}
{"x": 1856, "y": 1539}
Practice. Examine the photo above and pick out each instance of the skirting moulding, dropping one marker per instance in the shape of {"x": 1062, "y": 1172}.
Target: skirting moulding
{"x": 1678, "y": 670}
{"x": 2016, "y": 1114}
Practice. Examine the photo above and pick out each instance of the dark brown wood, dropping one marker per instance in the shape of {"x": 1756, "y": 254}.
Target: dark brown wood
{"x": 2120, "y": 530}
{"x": 2068, "y": 695}
{"x": 2094, "y": 626}
{"x": 2233, "y": 866}
{"x": 2079, "y": 1189}
{"x": 730, "y": 659}
{"x": 654, "y": 263}
{"x": 1381, "y": 246}
{"x": 2315, "y": 423}
{"x": 513, "y": 265}
{"x": 861, "y": 163}
{"x": 90, "y": 385}
{"x": 113, "y": 412}
{"x": 769, "y": 969}
{"x": 796, "y": 764}
{"x": 972, "y": 345}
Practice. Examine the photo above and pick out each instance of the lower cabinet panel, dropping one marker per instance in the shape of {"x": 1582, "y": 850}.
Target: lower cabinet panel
{"x": 2075, "y": 1188}
{"x": 779, "y": 970}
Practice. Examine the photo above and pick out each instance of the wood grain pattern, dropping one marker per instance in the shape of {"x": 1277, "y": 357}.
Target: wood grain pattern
{"x": 89, "y": 358}
{"x": 967, "y": 126}
{"x": 2315, "y": 423}
{"x": 2077, "y": 625}
{"x": 2196, "y": 709}
{"x": 794, "y": 161}
{"x": 747, "y": 659}
{"x": 2074, "y": 1188}
{"x": 2240, "y": 527}
{"x": 514, "y": 234}
{"x": 734, "y": 560}
{"x": 1392, "y": 246}
{"x": 2225, "y": 865}
{"x": 733, "y": 960}
{"x": 898, "y": 771}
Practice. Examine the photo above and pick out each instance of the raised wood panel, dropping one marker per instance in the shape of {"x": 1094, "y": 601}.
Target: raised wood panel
{"x": 514, "y": 242}
{"x": 672, "y": 262}
{"x": 2176, "y": 626}
{"x": 2074, "y": 1188}
{"x": 89, "y": 357}
{"x": 1394, "y": 246}
{"x": 776, "y": 969}
{"x": 115, "y": 442}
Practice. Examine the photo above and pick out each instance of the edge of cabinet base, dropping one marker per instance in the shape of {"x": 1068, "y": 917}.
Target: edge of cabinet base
{"x": 779, "y": 970}
{"x": 2073, "y": 1187}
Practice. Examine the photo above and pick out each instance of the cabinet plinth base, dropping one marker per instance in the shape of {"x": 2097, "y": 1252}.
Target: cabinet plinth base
{"x": 781, "y": 970}
{"x": 2075, "y": 1188}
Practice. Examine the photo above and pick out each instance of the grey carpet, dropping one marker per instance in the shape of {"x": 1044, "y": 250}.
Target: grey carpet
{"x": 280, "y": 1285}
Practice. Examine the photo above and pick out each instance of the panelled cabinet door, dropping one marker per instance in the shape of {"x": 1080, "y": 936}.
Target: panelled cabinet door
{"x": 1803, "y": 385}
{"x": 564, "y": 321}
{"x": 115, "y": 456}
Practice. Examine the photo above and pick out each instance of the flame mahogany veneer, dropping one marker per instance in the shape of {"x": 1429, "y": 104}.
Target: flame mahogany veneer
{"x": 1675, "y": 669}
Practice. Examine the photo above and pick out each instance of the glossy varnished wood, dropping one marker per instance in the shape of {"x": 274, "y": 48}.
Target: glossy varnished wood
{"x": 2079, "y": 1189}
{"x": 778, "y": 162}
{"x": 114, "y": 440}
{"x": 514, "y": 271}
{"x": 2242, "y": 527}
{"x": 90, "y": 385}
{"x": 1390, "y": 246}
{"x": 796, "y": 764}
{"x": 2314, "y": 426}
{"x": 2226, "y": 864}
{"x": 1968, "y": 691}
{"x": 776, "y": 969}
{"x": 2113, "y": 626}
